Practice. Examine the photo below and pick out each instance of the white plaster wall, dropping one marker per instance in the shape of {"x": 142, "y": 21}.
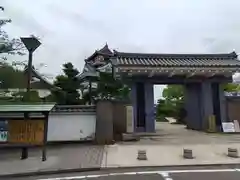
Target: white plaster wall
{"x": 71, "y": 127}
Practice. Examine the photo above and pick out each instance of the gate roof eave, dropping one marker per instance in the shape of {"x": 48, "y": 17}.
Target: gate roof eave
{"x": 174, "y": 71}
{"x": 175, "y": 64}
{"x": 174, "y": 60}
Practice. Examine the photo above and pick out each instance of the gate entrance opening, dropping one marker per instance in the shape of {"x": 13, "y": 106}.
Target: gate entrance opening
{"x": 200, "y": 74}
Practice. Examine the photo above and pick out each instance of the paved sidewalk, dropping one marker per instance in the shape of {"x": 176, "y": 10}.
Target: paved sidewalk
{"x": 163, "y": 149}
{"x": 78, "y": 157}
{"x": 177, "y": 134}
{"x": 59, "y": 158}
{"x": 167, "y": 155}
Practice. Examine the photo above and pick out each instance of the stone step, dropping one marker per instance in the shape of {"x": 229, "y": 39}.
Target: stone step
{"x": 130, "y": 137}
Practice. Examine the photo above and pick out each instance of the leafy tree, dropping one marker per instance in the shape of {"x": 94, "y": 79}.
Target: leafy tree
{"x": 8, "y": 45}
{"x": 67, "y": 86}
{"x": 22, "y": 97}
{"x": 108, "y": 88}
{"x": 173, "y": 93}
{"x": 11, "y": 77}
{"x": 230, "y": 87}
{"x": 174, "y": 98}
{"x": 164, "y": 109}
{"x": 173, "y": 103}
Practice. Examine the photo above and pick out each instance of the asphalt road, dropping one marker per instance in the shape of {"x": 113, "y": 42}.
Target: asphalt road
{"x": 206, "y": 173}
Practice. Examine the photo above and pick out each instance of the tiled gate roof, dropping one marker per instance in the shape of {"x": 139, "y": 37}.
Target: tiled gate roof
{"x": 176, "y": 60}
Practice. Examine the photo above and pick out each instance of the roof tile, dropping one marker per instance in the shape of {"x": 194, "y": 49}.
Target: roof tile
{"x": 26, "y": 107}
{"x": 175, "y": 60}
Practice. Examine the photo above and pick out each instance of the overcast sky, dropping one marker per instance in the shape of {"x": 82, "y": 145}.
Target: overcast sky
{"x": 71, "y": 30}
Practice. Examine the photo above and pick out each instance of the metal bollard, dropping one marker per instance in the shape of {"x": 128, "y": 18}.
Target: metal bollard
{"x": 142, "y": 155}
{"x": 233, "y": 152}
{"x": 187, "y": 154}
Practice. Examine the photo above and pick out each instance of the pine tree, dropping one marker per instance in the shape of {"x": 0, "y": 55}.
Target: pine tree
{"x": 67, "y": 86}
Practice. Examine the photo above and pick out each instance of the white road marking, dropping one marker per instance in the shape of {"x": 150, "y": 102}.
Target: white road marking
{"x": 65, "y": 178}
{"x": 149, "y": 172}
{"x": 200, "y": 170}
{"x": 165, "y": 174}
{"x": 129, "y": 173}
{"x": 115, "y": 174}
{"x": 94, "y": 176}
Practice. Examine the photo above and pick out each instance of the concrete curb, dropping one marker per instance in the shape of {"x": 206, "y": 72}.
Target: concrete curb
{"x": 76, "y": 170}
{"x": 50, "y": 172}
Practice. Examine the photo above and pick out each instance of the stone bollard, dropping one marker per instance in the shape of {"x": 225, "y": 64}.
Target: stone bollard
{"x": 233, "y": 152}
{"x": 142, "y": 155}
{"x": 187, "y": 154}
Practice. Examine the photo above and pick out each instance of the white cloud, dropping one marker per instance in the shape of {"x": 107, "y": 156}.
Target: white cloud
{"x": 71, "y": 30}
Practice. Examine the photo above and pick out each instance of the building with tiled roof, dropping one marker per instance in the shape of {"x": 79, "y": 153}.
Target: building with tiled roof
{"x": 99, "y": 61}
{"x": 150, "y": 64}
{"x": 201, "y": 75}
{"x": 176, "y": 64}
{"x": 38, "y": 83}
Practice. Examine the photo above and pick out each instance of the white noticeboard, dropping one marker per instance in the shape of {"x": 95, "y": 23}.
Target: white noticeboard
{"x": 228, "y": 127}
{"x": 129, "y": 113}
{"x": 3, "y": 136}
{"x": 236, "y": 125}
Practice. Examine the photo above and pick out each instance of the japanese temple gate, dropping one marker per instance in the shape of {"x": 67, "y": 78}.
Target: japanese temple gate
{"x": 201, "y": 75}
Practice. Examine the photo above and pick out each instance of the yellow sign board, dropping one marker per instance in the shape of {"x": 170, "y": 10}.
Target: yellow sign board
{"x": 212, "y": 124}
{"x": 26, "y": 132}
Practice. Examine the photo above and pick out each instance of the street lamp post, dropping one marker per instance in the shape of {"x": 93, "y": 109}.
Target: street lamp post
{"x": 31, "y": 43}
{"x": 29, "y": 74}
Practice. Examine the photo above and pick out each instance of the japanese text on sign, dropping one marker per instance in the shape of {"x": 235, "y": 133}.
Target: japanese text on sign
{"x": 26, "y": 132}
